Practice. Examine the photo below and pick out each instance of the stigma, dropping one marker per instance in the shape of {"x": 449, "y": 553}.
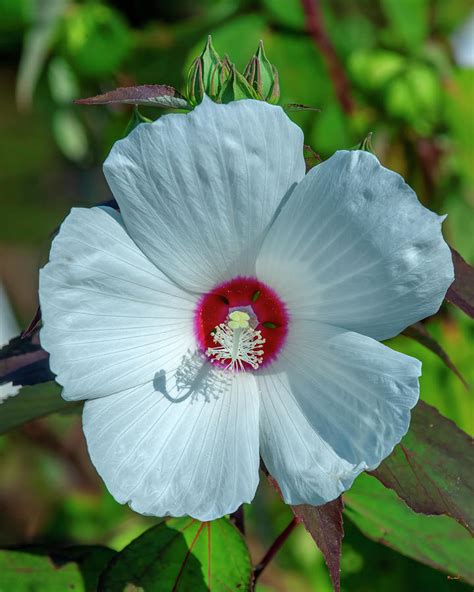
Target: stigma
{"x": 237, "y": 342}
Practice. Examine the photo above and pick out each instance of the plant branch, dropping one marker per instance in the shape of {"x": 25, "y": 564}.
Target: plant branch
{"x": 315, "y": 27}
{"x": 238, "y": 519}
{"x": 274, "y": 548}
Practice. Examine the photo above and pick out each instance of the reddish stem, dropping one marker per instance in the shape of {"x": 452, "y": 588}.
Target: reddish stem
{"x": 315, "y": 27}
{"x": 238, "y": 519}
{"x": 274, "y": 548}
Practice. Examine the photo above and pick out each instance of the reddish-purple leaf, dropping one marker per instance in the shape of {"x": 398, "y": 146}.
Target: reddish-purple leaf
{"x": 419, "y": 333}
{"x": 24, "y": 362}
{"x": 432, "y": 468}
{"x": 461, "y": 291}
{"x": 33, "y": 325}
{"x": 324, "y": 523}
{"x": 151, "y": 95}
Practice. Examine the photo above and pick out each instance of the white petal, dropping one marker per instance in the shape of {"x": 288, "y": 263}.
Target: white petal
{"x": 112, "y": 320}
{"x": 353, "y": 247}
{"x": 8, "y": 329}
{"x": 198, "y": 456}
{"x": 197, "y": 191}
{"x": 334, "y": 404}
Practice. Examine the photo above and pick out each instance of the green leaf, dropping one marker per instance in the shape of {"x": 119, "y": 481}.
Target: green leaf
{"x": 459, "y": 98}
{"x": 432, "y": 469}
{"x": 331, "y": 130}
{"x": 63, "y": 83}
{"x": 419, "y": 333}
{"x": 70, "y": 134}
{"x": 32, "y": 402}
{"x": 437, "y": 541}
{"x": 36, "y": 569}
{"x": 182, "y": 554}
{"x": 96, "y": 38}
{"x": 36, "y": 46}
{"x": 408, "y": 22}
{"x": 289, "y": 13}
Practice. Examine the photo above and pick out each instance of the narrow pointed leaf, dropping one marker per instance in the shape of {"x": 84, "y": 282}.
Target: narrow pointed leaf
{"x": 419, "y": 333}
{"x": 33, "y": 402}
{"x": 432, "y": 469}
{"x": 325, "y": 525}
{"x": 461, "y": 291}
{"x": 292, "y": 107}
{"x": 151, "y": 95}
{"x": 182, "y": 554}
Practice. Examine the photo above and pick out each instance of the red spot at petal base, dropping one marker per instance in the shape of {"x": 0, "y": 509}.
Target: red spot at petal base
{"x": 213, "y": 309}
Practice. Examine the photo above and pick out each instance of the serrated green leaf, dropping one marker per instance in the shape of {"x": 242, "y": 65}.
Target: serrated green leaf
{"x": 182, "y": 554}
{"x": 437, "y": 541}
{"x": 43, "y": 570}
{"x": 432, "y": 468}
{"x": 32, "y": 402}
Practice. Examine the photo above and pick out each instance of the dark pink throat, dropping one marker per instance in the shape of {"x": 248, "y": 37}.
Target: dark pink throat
{"x": 243, "y": 293}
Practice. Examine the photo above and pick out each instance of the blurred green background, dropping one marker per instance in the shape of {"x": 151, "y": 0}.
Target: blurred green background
{"x": 411, "y": 84}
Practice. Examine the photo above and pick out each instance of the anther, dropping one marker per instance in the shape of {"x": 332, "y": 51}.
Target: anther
{"x": 237, "y": 342}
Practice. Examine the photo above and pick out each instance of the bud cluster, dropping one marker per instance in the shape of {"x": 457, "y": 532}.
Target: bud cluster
{"x": 219, "y": 79}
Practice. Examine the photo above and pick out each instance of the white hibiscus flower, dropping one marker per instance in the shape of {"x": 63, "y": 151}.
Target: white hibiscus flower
{"x": 234, "y": 308}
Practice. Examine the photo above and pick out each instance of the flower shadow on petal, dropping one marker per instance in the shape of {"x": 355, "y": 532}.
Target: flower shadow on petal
{"x": 195, "y": 377}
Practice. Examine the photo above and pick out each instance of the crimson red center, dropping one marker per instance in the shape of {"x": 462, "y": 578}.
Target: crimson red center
{"x": 214, "y": 307}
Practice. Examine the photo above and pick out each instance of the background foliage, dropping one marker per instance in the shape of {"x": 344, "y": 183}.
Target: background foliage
{"x": 404, "y": 84}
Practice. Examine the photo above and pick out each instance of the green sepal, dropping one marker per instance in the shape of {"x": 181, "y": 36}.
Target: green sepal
{"x": 263, "y": 76}
{"x": 219, "y": 77}
{"x": 236, "y": 88}
{"x": 204, "y": 76}
{"x": 366, "y": 144}
{"x": 135, "y": 120}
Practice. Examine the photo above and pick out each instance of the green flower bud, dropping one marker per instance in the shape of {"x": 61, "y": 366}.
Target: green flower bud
{"x": 263, "y": 76}
{"x": 219, "y": 77}
{"x": 366, "y": 144}
{"x": 236, "y": 88}
{"x": 205, "y": 74}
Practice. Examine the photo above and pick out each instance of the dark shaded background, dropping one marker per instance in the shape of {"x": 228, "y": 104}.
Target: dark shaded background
{"x": 392, "y": 67}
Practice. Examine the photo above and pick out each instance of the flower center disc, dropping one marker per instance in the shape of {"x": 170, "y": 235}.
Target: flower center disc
{"x": 262, "y": 330}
